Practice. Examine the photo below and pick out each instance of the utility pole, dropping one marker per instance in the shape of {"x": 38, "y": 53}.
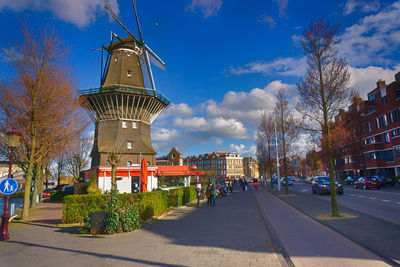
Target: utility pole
{"x": 277, "y": 158}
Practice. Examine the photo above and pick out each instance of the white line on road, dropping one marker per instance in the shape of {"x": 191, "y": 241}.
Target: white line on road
{"x": 372, "y": 198}
{"x": 352, "y": 195}
{"x": 360, "y": 196}
{"x": 398, "y": 203}
{"x": 304, "y": 190}
{"x": 385, "y": 200}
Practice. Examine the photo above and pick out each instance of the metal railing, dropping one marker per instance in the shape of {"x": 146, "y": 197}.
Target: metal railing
{"x": 126, "y": 89}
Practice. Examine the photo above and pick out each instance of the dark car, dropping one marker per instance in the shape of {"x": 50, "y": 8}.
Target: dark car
{"x": 321, "y": 186}
{"x": 349, "y": 181}
{"x": 274, "y": 180}
{"x": 367, "y": 183}
{"x": 385, "y": 180}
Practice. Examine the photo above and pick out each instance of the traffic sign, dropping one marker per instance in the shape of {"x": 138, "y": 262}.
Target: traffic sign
{"x": 8, "y": 186}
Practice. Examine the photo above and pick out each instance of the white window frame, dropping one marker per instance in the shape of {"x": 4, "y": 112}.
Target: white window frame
{"x": 128, "y": 73}
{"x": 124, "y": 124}
{"x": 128, "y": 144}
{"x": 134, "y": 125}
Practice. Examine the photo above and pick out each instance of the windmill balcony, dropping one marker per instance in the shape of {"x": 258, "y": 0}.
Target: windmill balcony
{"x": 126, "y": 89}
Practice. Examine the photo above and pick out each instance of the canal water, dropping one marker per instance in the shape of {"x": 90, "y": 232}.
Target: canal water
{"x": 18, "y": 203}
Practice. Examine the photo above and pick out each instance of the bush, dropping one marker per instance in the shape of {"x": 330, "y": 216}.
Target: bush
{"x": 130, "y": 220}
{"x": 59, "y": 195}
{"x": 78, "y": 207}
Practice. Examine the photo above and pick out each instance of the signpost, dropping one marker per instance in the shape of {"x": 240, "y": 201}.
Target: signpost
{"x": 7, "y": 187}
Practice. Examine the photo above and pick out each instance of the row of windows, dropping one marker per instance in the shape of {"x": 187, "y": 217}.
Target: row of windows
{"x": 125, "y": 124}
{"x": 384, "y": 98}
{"x": 379, "y": 155}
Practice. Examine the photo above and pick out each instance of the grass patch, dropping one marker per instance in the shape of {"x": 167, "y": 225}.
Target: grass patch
{"x": 325, "y": 217}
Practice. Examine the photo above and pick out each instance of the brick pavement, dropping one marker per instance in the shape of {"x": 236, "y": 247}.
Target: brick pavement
{"x": 231, "y": 234}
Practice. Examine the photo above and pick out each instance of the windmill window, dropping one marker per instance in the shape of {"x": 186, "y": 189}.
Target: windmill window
{"x": 116, "y": 60}
{"x": 129, "y": 145}
{"x": 128, "y": 73}
{"x": 124, "y": 124}
{"x": 134, "y": 125}
{"x": 129, "y": 163}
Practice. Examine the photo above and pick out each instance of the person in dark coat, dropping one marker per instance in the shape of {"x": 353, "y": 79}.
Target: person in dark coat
{"x": 208, "y": 194}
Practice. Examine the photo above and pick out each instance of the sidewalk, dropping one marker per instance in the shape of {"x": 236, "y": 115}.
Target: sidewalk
{"x": 307, "y": 242}
{"x": 231, "y": 234}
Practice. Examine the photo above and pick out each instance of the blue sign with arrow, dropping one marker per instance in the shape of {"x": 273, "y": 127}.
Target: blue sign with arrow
{"x": 8, "y": 186}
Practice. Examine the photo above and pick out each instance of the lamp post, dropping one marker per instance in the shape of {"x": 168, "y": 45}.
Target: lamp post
{"x": 13, "y": 139}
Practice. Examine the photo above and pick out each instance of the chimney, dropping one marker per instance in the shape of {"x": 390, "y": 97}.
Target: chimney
{"x": 381, "y": 84}
{"x": 397, "y": 77}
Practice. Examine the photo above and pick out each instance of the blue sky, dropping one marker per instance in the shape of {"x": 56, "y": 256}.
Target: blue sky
{"x": 225, "y": 59}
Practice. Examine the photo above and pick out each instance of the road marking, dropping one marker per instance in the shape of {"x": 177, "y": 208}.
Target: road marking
{"x": 360, "y": 196}
{"x": 304, "y": 190}
{"x": 372, "y": 198}
{"x": 384, "y": 200}
{"x": 352, "y": 195}
{"x": 398, "y": 203}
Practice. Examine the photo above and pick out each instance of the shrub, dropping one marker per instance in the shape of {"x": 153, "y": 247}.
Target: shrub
{"x": 130, "y": 220}
{"x": 59, "y": 195}
{"x": 78, "y": 207}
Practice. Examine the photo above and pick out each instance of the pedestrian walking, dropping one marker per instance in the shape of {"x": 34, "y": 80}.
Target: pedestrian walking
{"x": 208, "y": 194}
{"x": 255, "y": 184}
{"x": 213, "y": 194}
{"x": 230, "y": 186}
{"x": 198, "y": 191}
{"x": 245, "y": 185}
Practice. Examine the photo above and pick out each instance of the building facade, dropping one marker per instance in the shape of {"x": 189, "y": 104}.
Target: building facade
{"x": 372, "y": 142}
{"x": 225, "y": 165}
{"x": 250, "y": 167}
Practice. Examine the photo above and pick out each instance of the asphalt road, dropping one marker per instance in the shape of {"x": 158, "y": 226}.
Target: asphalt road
{"x": 383, "y": 204}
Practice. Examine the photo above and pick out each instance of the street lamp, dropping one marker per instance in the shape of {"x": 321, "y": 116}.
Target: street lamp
{"x": 13, "y": 139}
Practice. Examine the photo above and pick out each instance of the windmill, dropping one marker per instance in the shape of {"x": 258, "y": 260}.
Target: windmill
{"x": 127, "y": 102}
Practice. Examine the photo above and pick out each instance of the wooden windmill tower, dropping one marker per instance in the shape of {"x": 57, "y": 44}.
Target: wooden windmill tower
{"x": 127, "y": 102}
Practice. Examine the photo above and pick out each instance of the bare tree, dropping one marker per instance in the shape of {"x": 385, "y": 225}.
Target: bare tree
{"x": 266, "y": 129}
{"x": 114, "y": 157}
{"x": 324, "y": 89}
{"x": 59, "y": 166}
{"x": 288, "y": 130}
{"x": 261, "y": 153}
{"x": 40, "y": 102}
{"x": 78, "y": 159}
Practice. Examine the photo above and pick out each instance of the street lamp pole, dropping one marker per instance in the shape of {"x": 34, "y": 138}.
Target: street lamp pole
{"x": 13, "y": 139}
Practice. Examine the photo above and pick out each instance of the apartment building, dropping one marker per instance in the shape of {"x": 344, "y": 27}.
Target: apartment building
{"x": 228, "y": 165}
{"x": 373, "y": 133}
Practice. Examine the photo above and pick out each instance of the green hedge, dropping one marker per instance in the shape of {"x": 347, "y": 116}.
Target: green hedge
{"x": 59, "y": 195}
{"x": 148, "y": 204}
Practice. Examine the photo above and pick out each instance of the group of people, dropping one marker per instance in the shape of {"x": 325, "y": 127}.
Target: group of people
{"x": 212, "y": 191}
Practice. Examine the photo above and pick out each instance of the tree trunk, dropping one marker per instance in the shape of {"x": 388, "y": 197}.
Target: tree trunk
{"x": 113, "y": 176}
{"x": 36, "y": 185}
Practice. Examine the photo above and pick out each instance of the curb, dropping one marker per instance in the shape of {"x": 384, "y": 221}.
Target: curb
{"x": 384, "y": 257}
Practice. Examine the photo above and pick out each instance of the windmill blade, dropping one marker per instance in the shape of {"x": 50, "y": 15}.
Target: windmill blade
{"x": 156, "y": 60}
{"x": 137, "y": 20}
{"x": 107, "y": 6}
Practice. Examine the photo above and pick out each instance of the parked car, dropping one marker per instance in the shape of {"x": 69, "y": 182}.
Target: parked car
{"x": 321, "y": 185}
{"x": 349, "y": 180}
{"x": 274, "y": 180}
{"x": 68, "y": 188}
{"x": 385, "y": 180}
{"x": 367, "y": 183}
{"x": 289, "y": 181}
{"x": 47, "y": 191}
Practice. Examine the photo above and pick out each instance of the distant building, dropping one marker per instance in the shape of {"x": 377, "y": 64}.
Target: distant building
{"x": 16, "y": 173}
{"x": 250, "y": 167}
{"x": 373, "y": 126}
{"x": 225, "y": 165}
{"x": 174, "y": 158}
{"x": 295, "y": 167}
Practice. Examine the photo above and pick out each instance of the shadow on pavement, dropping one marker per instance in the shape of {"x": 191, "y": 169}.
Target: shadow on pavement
{"x": 100, "y": 255}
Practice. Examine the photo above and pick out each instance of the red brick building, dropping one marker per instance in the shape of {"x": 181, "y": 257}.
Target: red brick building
{"x": 372, "y": 144}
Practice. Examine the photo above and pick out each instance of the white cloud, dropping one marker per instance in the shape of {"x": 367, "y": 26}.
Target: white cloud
{"x": 78, "y": 12}
{"x": 283, "y": 4}
{"x": 287, "y": 66}
{"x": 177, "y": 110}
{"x": 248, "y": 106}
{"x": 216, "y": 127}
{"x": 364, "y": 6}
{"x": 164, "y": 135}
{"x": 268, "y": 20}
{"x": 243, "y": 150}
{"x": 363, "y": 80}
{"x": 207, "y": 7}
{"x": 374, "y": 39}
